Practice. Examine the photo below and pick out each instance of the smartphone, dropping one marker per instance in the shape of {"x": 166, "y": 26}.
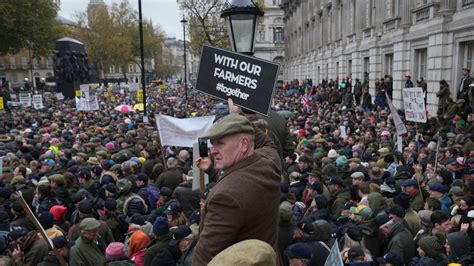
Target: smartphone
{"x": 203, "y": 150}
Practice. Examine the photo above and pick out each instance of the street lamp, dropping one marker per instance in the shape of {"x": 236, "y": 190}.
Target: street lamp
{"x": 241, "y": 19}
{"x": 184, "y": 21}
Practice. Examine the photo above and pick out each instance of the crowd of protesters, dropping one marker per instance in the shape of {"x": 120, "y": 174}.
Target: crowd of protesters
{"x": 107, "y": 193}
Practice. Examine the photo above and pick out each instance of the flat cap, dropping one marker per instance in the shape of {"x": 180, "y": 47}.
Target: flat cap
{"x": 409, "y": 183}
{"x": 89, "y": 224}
{"x": 229, "y": 125}
{"x": 358, "y": 175}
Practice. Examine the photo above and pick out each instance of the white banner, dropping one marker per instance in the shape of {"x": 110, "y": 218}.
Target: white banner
{"x": 414, "y": 104}
{"x": 38, "y": 101}
{"x": 25, "y": 99}
{"x": 182, "y": 132}
{"x": 133, "y": 87}
{"x": 83, "y": 104}
{"x": 399, "y": 125}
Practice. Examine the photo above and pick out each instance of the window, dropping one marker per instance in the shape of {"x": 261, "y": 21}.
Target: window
{"x": 467, "y": 54}
{"x": 337, "y": 71}
{"x": 368, "y": 13}
{"x": 349, "y": 67}
{"x": 131, "y": 68}
{"x": 112, "y": 69}
{"x": 420, "y": 63}
{"x": 12, "y": 62}
{"x": 24, "y": 62}
{"x": 366, "y": 64}
{"x": 390, "y": 8}
{"x": 2, "y": 66}
{"x": 35, "y": 63}
{"x": 120, "y": 69}
{"x": 388, "y": 64}
{"x": 277, "y": 2}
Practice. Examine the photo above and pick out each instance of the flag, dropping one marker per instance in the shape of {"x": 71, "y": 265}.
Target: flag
{"x": 399, "y": 125}
{"x": 182, "y": 132}
{"x": 334, "y": 257}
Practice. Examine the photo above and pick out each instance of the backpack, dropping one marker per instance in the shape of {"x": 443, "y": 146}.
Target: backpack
{"x": 153, "y": 196}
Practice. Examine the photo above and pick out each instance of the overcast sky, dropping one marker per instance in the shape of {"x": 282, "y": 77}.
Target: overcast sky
{"x": 163, "y": 12}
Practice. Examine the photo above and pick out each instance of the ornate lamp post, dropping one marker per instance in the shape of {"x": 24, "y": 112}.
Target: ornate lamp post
{"x": 184, "y": 21}
{"x": 241, "y": 19}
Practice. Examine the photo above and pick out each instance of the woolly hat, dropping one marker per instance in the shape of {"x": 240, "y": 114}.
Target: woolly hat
{"x": 46, "y": 219}
{"x": 425, "y": 218}
{"x": 58, "y": 212}
{"x": 115, "y": 251}
{"x": 433, "y": 245}
{"x": 332, "y": 154}
{"x": 160, "y": 227}
{"x": 286, "y": 212}
{"x": 341, "y": 161}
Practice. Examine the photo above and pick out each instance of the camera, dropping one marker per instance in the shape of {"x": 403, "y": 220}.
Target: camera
{"x": 203, "y": 150}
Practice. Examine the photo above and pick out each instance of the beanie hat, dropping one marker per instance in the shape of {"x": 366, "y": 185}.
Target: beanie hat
{"x": 321, "y": 201}
{"x": 110, "y": 204}
{"x": 433, "y": 245}
{"x": 46, "y": 219}
{"x": 160, "y": 226}
{"x": 85, "y": 207}
{"x": 425, "y": 218}
{"x": 115, "y": 251}
{"x": 332, "y": 154}
{"x": 341, "y": 161}
{"x": 58, "y": 212}
{"x": 286, "y": 212}
{"x": 110, "y": 146}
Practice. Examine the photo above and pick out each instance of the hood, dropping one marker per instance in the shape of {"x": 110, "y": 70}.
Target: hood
{"x": 460, "y": 244}
{"x": 376, "y": 202}
{"x": 369, "y": 228}
{"x": 124, "y": 186}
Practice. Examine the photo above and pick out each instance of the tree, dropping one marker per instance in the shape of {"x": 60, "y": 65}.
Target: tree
{"x": 111, "y": 36}
{"x": 28, "y": 23}
{"x": 205, "y": 23}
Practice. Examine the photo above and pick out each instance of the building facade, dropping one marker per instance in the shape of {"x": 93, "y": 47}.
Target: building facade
{"x": 433, "y": 39}
{"x": 173, "y": 61}
{"x": 270, "y": 38}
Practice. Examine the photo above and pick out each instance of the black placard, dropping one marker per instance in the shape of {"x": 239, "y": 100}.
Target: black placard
{"x": 249, "y": 81}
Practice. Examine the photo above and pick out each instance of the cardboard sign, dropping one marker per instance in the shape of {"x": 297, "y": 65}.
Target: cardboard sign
{"x": 133, "y": 87}
{"x": 59, "y": 96}
{"x": 2, "y": 105}
{"x": 25, "y": 99}
{"x": 140, "y": 95}
{"x": 38, "y": 101}
{"x": 249, "y": 81}
{"x": 414, "y": 104}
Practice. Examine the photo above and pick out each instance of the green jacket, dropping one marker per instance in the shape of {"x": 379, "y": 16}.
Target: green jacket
{"x": 416, "y": 202}
{"x": 413, "y": 221}
{"x": 401, "y": 242}
{"x": 339, "y": 200}
{"x": 86, "y": 252}
{"x": 157, "y": 244}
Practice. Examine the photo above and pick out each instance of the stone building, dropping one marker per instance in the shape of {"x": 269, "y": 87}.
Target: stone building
{"x": 270, "y": 38}
{"x": 433, "y": 39}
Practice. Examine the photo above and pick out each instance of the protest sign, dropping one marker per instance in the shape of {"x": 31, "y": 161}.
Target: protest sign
{"x": 414, "y": 104}
{"x": 249, "y": 81}
{"x": 133, "y": 87}
{"x": 38, "y": 101}
{"x": 25, "y": 99}
{"x": 140, "y": 95}
{"x": 59, "y": 96}
{"x": 83, "y": 104}
{"x": 85, "y": 93}
{"x": 334, "y": 258}
{"x": 182, "y": 132}
{"x": 78, "y": 93}
{"x": 2, "y": 105}
{"x": 399, "y": 125}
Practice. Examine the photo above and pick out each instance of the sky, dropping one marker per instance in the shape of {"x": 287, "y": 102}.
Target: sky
{"x": 164, "y": 13}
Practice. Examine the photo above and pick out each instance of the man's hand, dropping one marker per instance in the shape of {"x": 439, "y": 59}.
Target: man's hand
{"x": 203, "y": 163}
{"x": 16, "y": 254}
{"x": 233, "y": 108}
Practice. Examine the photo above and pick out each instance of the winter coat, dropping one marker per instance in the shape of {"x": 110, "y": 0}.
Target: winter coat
{"x": 460, "y": 248}
{"x": 244, "y": 203}
{"x": 338, "y": 201}
{"x": 35, "y": 249}
{"x": 297, "y": 188}
{"x": 371, "y": 237}
{"x": 86, "y": 253}
{"x": 443, "y": 95}
{"x": 104, "y": 231}
{"x": 400, "y": 241}
{"x": 279, "y": 134}
{"x": 171, "y": 178}
{"x": 417, "y": 203}
{"x": 161, "y": 242}
{"x": 413, "y": 221}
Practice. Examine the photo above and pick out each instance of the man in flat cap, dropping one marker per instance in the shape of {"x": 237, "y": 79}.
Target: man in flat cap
{"x": 244, "y": 202}
{"x": 89, "y": 248}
